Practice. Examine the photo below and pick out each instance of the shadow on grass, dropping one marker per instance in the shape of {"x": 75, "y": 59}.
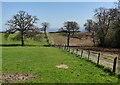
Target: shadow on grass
{"x": 13, "y": 45}
{"x": 61, "y": 83}
{"x": 8, "y": 45}
{"x": 105, "y": 69}
{"x": 49, "y": 45}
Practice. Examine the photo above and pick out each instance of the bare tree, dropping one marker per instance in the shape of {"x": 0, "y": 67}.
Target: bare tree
{"x": 115, "y": 26}
{"x": 108, "y": 26}
{"x": 103, "y": 23}
{"x": 45, "y": 27}
{"x": 70, "y": 27}
{"x": 89, "y": 25}
{"x": 21, "y": 22}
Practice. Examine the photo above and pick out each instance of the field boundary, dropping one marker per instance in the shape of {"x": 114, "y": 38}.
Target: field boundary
{"x": 95, "y": 57}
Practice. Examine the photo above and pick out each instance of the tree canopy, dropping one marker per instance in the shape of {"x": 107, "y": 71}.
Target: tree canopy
{"x": 21, "y": 22}
{"x": 44, "y": 28}
{"x": 70, "y": 27}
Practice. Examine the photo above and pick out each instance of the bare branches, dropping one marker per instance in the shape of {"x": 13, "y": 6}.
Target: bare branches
{"x": 108, "y": 26}
{"x": 45, "y": 25}
{"x": 44, "y": 28}
{"x": 90, "y": 25}
{"x": 70, "y": 27}
{"x": 21, "y": 22}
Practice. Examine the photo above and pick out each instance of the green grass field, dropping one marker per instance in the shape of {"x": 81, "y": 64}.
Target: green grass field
{"x": 27, "y": 41}
{"x": 41, "y": 62}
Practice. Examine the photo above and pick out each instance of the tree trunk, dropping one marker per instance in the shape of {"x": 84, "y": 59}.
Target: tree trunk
{"x": 22, "y": 38}
{"x": 68, "y": 40}
{"x": 45, "y": 33}
{"x": 93, "y": 36}
{"x": 102, "y": 42}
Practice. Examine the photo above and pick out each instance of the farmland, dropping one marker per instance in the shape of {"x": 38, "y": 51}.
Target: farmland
{"x": 107, "y": 54}
{"x": 10, "y": 42}
{"x": 59, "y": 39}
{"x": 60, "y": 43}
{"x": 37, "y": 64}
{"x": 85, "y": 43}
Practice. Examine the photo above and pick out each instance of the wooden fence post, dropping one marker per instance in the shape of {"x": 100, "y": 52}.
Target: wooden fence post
{"x": 119, "y": 65}
{"x": 69, "y": 49}
{"x": 77, "y": 52}
{"x": 81, "y": 53}
{"x": 72, "y": 50}
{"x": 114, "y": 65}
{"x": 88, "y": 54}
{"x": 98, "y": 58}
{"x": 65, "y": 47}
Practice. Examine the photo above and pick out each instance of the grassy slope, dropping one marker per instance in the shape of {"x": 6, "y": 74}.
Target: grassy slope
{"x": 26, "y": 41}
{"x": 41, "y": 61}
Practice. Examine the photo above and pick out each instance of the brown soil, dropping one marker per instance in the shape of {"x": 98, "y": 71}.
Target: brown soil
{"x": 14, "y": 78}
{"x": 109, "y": 50}
{"x": 85, "y": 44}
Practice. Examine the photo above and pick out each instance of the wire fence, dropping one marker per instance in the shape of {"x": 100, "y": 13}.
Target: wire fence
{"x": 99, "y": 58}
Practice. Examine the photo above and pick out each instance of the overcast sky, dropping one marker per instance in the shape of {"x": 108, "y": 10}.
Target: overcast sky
{"x": 56, "y": 13}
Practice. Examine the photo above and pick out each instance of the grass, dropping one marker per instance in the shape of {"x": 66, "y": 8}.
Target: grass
{"x": 41, "y": 62}
{"x": 27, "y": 41}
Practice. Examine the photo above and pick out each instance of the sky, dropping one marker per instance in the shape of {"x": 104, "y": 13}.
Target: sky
{"x": 58, "y": 0}
{"x": 56, "y": 13}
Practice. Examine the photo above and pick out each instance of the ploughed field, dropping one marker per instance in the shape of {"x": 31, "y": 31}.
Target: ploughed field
{"x": 59, "y": 39}
{"x": 85, "y": 42}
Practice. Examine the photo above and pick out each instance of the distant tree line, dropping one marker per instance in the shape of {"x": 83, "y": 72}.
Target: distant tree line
{"x": 106, "y": 26}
